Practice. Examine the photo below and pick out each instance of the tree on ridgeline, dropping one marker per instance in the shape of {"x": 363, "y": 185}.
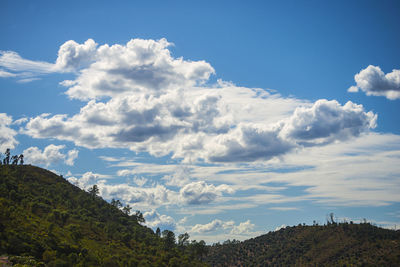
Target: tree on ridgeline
{"x": 11, "y": 159}
{"x": 139, "y": 217}
{"x": 169, "y": 239}
{"x": 94, "y": 191}
{"x": 158, "y": 232}
{"x": 14, "y": 160}
{"x": 6, "y": 160}
{"x": 116, "y": 203}
{"x": 127, "y": 209}
{"x": 183, "y": 240}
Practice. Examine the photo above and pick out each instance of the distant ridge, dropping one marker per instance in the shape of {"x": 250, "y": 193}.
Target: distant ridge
{"x": 334, "y": 244}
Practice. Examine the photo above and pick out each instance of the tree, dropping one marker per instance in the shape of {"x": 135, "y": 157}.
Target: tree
{"x": 94, "y": 191}
{"x": 139, "y": 217}
{"x": 169, "y": 239}
{"x": 183, "y": 240}
{"x": 14, "y": 160}
{"x": 199, "y": 249}
{"x": 158, "y": 232}
{"x": 127, "y": 209}
{"x": 21, "y": 159}
{"x": 116, "y": 203}
{"x": 6, "y": 160}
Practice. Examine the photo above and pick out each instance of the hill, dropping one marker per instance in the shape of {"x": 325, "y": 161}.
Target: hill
{"x": 343, "y": 244}
{"x": 45, "y": 220}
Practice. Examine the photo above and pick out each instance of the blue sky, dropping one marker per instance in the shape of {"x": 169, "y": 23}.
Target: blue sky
{"x": 223, "y": 119}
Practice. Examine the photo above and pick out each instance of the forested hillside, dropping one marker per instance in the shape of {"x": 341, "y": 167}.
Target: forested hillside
{"x": 343, "y": 244}
{"x": 45, "y": 220}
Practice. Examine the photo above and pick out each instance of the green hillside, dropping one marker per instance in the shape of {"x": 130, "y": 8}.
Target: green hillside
{"x": 344, "y": 244}
{"x": 45, "y": 220}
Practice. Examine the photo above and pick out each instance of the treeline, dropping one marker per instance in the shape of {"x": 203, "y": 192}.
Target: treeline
{"x": 46, "y": 221}
{"x": 13, "y": 160}
{"x": 332, "y": 244}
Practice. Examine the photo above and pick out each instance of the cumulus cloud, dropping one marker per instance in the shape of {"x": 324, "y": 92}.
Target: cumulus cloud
{"x": 156, "y": 103}
{"x": 327, "y": 121}
{"x": 50, "y": 155}
{"x": 72, "y": 56}
{"x": 139, "y": 66}
{"x": 140, "y": 181}
{"x": 212, "y": 226}
{"x": 7, "y": 134}
{"x": 247, "y": 143}
{"x": 243, "y": 228}
{"x": 202, "y": 193}
{"x": 373, "y": 81}
{"x": 154, "y": 220}
{"x": 179, "y": 178}
{"x": 87, "y": 180}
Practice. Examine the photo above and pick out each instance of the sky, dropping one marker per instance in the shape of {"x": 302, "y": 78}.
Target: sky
{"x": 223, "y": 119}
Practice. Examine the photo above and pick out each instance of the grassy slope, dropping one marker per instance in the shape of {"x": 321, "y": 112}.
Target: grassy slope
{"x": 331, "y": 245}
{"x": 45, "y": 217}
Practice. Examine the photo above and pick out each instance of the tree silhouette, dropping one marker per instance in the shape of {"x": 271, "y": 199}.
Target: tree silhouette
{"x": 183, "y": 240}
{"x": 14, "y": 160}
{"x": 169, "y": 239}
{"x": 21, "y": 159}
{"x": 127, "y": 209}
{"x": 116, "y": 203}
{"x": 6, "y": 160}
{"x": 139, "y": 217}
{"x": 94, "y": 191}
{"x": 158, "y": 232}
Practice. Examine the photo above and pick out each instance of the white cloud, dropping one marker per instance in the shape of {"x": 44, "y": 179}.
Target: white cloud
{"x": 72, "y": 56}
{"x": 7, "y": 134}
{"x": 154, "y": 220}
{"x": 87, "y": 180}
{"x": 50, "y": 155}
{"x": 71, "y": 157}
{"x": 202, "y": 193}
{"x": 212, "y": 226}
{"x": 138, "y": 66}
{"x": 373, "y": 81}
{"x": 20, "y": 67}
{"x": 280, "y": 227}
{"x": 6, "y": 74}
{"x": 327, "y": 121}
{"x": 179, "y": 115}
{"x": 218, "y": 230}
{"x": 140, "y": 181}
{"x": 179, "y": 178}
{"x": 243, "y": 228}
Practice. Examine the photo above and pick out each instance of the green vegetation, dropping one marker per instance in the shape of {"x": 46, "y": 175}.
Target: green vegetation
{"x": 45, "y": 220}
{"x": 344, "y": 244}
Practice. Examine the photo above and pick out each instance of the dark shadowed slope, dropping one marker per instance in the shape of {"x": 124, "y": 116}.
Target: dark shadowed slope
{"x": 47, "y": 220}
{"x": 330, "y": 245}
